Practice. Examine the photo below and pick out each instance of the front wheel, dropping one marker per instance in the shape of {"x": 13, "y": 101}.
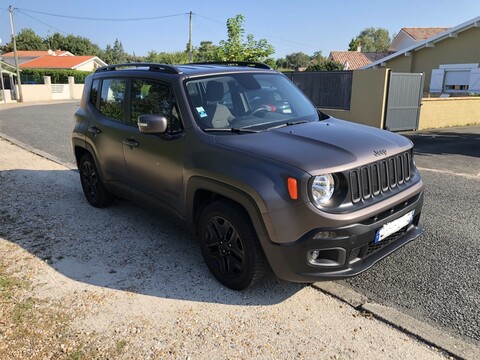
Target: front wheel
{"x": 230, "y": 246}
{"x": 92, "y": 185}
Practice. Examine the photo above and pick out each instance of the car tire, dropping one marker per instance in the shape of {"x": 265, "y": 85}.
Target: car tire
{"x": 230, "y": 246}
{"x": 92, "y": 185}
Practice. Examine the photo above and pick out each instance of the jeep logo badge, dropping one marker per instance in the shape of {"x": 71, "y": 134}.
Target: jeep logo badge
{"x": 380, "y": 152}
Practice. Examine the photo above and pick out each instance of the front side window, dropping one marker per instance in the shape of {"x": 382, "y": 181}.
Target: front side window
{"x": 150, "y": 97}
{"x": 112, "y": 98}
{"x": 250, "y": 101}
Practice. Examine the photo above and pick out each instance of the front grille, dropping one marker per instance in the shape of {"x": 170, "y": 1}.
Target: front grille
{"x": 372, "y": 247}
{"x": 379, "y": 177}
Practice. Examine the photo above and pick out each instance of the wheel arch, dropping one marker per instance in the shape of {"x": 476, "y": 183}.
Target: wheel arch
{"x": 202, "y": 191}
{"x": 79, "y": 151}
{"x": 80, "y": 148}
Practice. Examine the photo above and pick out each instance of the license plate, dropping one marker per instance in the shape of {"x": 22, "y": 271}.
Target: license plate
{"x": 393, "y": 226}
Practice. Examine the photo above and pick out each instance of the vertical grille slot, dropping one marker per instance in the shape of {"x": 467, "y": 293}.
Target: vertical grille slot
{"x": 355, "y": 186}
{"x": 400, "y": 171}
{"x": 375, "y": 179}
{"x": 406, "y": 161}
{"x": 384, "y": 175}
{"x": 365, "y": 180}
{"x": 392, "y": 174}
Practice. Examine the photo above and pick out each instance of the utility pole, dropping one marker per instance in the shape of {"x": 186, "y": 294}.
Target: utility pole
{"x": 19, "y": 82}
{"x": 190, "y": 48}
{"x": 1, "y": 79}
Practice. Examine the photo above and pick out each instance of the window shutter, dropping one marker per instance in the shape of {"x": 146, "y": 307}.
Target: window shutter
{"x": 436, "y": 82}
{"x": 474, "y": 84}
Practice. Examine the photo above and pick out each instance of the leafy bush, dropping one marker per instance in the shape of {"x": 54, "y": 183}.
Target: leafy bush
{"x": 35, "y": 76}
{"x": 325, "y": 65}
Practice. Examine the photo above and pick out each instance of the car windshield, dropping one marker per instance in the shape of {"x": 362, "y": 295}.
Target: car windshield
{"x": 248, "y": 102}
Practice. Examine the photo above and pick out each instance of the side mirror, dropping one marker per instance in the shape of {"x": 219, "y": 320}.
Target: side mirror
{"x": 152, "y": 124}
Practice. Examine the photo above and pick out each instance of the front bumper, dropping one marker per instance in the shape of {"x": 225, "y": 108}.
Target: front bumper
{"x": 345, "y": 251}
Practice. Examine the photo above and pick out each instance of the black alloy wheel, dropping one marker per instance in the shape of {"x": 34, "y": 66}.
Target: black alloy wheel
{"x": 92, "y": 185}
{"x": 230, "y": 246}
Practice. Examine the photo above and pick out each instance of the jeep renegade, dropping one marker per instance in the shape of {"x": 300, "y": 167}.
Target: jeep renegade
{"x": 240, "y": 155}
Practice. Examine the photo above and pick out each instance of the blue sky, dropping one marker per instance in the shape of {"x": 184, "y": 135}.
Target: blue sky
{"x": 290, "y": 26}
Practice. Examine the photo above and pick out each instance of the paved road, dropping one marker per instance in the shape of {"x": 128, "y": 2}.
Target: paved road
{"x": 43, "y": 127}
{"x": 435, "y": 279}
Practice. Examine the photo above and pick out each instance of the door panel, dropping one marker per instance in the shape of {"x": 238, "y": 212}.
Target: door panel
{"x": 154, "y": 162}
{"x": 107, "y": 128}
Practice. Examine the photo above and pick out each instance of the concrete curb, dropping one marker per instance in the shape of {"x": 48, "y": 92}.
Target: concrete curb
{"x": 39, "y": 152}
{"x": 435, "y": 337}
{"x": 13, "y": 105}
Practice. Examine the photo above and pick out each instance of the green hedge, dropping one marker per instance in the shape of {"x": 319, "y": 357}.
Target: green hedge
{"x": 35, "y": 76}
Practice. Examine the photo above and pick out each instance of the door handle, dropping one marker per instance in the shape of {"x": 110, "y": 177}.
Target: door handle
{"x": 94, "y": 130}
{"x": 131, "y": 142}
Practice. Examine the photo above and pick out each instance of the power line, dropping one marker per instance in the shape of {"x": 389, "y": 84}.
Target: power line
{"x": 205, "y": 28}
{"x": 102, "y": 19}
{"x": 3, "y": 13}
{"x": 262, "y": 34}
{"x": 213, "y": 20}
{"x": 41, "y": 22}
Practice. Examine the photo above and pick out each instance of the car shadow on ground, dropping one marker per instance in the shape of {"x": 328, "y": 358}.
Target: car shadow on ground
{"x": 121, "y": 247}
{"x": 460, "y": 141}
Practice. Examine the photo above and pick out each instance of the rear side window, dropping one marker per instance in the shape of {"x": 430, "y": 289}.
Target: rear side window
{"x": 112, "y": 98}
{"x": 94, "y": 92}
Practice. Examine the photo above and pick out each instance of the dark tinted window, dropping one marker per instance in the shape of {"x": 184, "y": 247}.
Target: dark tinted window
{"x": 94, "y": 92}
{"x": 112, "y": 98}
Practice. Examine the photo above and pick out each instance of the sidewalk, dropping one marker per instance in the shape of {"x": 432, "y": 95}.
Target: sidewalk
{"x": 12, "y": 105}
{"x": 122, "y": 283}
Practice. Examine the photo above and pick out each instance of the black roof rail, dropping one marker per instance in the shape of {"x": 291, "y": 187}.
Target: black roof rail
{"x": 169, "y": 69}
{"x": 253, "y": 64}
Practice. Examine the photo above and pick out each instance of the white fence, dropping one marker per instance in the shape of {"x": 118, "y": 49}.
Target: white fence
{"x": 49, "y": 91}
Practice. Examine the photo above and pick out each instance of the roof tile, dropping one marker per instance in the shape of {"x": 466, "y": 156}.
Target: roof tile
{"x": 423, "y": 33}
{"x": 355, "y": 59}
{"x": 56, "y": 62}
{"x": 37, "y": 53}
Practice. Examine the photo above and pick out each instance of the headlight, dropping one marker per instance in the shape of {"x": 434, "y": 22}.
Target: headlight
{"x": 322, "y": 189}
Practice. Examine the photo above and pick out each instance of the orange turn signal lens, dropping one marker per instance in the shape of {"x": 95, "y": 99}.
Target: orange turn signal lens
{"x": 293, "y": 188}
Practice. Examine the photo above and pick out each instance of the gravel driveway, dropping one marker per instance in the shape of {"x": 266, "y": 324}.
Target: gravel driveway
{"x": 124, "y": 283}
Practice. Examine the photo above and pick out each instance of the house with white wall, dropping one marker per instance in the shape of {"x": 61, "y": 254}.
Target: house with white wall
{"x": 54, "y": 60}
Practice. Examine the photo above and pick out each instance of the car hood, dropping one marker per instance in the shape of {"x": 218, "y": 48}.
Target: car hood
{"x": 326, "y": 146}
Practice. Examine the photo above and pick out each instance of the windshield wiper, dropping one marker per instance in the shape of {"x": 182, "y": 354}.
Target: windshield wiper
{"x": 234, "y": 130}
{"x": 289, "y": 123}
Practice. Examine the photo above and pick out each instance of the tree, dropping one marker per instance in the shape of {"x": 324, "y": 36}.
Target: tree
{"x": 206, "y": 52}
{"x": 26, "y": 39}
{"x": 115, "y": 54}
{"x": 317, "y": 57}
{"x": 297, "y": 60}
{"x": 236, "y": 49}
{"x": 77, "y": 45}
{"x": 179, "y": 57}
{"x": 371, "y": 40}
{"x": 325, "y": 65}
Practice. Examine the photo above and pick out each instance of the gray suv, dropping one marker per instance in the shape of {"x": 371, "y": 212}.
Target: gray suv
{"x": 238, "y": 153}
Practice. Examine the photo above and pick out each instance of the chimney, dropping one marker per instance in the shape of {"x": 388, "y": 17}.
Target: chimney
{"x": 359, "y": 48}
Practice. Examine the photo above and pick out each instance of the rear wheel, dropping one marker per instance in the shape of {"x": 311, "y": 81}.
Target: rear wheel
{"x": 230, "y": 246}
{"x": 93, "y": 188}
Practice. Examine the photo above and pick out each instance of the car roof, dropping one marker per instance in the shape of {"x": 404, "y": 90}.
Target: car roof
{"x": 193, "y": 69}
